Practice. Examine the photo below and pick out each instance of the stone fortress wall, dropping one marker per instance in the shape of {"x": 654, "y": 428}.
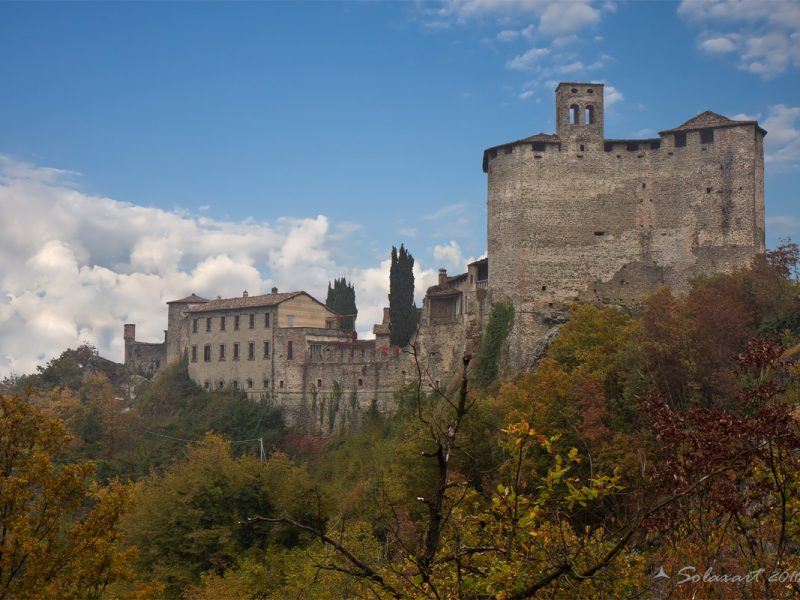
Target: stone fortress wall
{"x": 574, "y": 216}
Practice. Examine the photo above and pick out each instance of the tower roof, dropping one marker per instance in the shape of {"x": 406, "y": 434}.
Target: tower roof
{"x": 709, "y": 119}
{"x": 192, "y": 299}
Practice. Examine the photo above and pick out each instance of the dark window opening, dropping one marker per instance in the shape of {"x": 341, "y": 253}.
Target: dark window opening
{"x": 194, "y": 325}
{"x": 706, "y": 136}
{"x": 319, "y": 383}
{"x": 266, "y": 383}
{"x": 207, "y": 353}
{"x": 206, "y": 384}
{"x": 236, "y": 322}
{"x": 194, "y": 353}
{"x": 538, "y": 146}
{"x": 644, "y": 186}
{"x": 220, "y": 384}
{"x": 708, "y": 190}
{"x": 222, "y": 352}
{"x": 655, "y": 145}
{"x": 252, "y": 322}
{"x": 249, "y": 383}
{"x": 574, "y": 114}
{"x": 632, "y": 146}
{"x": 582, "y": 147}
{"x": 289, "y": 350}
{"x": 509, "y": 149}
{"x": 235, "y": 384}
{"x": 251, "y": 351}
{"x": 222, "y": 323}
{"x": 550, "y": 305}
{"x": 574, "y": 90}
{"x": 544, "y": 288}
{"x": 280, "y": 384}
{"x": 599, "y": 233}
{"x": 266, "y": 349}
{"x": 680, "y": 139}
{"x": 236, "y": 351}
{"x": 360, "y": 383}
{"x": 608, "y": 146}
{"x": 208, "y": 324}
{"x": 266, "y": 320}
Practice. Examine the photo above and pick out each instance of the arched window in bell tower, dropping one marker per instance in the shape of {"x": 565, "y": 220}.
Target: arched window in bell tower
{"x": 589, "y": 114}
{"x": 574, "y": 114}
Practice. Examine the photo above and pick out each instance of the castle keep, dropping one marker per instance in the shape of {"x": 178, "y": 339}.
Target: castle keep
{"x": 572, "y": 216}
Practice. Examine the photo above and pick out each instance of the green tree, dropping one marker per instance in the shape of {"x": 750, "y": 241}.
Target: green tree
{"x": 402, "y": 310}
{"x": 342, "y": 299}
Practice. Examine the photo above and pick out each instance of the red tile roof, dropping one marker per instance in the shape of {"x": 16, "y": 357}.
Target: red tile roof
{"x": 193, "y": 299}
{"x": 246, "y": 302}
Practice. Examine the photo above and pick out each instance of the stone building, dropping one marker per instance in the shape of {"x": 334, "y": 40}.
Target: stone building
{"x": 572, "y": 216}
{"x": 286, "y": 348}
{"x": 575, "y": 216}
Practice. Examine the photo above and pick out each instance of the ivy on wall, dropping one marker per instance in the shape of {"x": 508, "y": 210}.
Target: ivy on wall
{"x": 488, "y": 356}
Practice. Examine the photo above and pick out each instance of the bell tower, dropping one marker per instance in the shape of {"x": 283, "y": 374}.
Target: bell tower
{"x": 579, "y": 116}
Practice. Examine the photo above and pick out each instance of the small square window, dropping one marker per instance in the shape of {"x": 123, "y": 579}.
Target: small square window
{"x": 680, "y": 139}
{"x": 539, "y": 146}
{"x": 706, "y": 136}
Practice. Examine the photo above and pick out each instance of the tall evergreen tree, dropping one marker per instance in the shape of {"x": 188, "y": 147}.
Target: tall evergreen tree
{"x": 342, "y": 299}
{"x": 402, "y": 310}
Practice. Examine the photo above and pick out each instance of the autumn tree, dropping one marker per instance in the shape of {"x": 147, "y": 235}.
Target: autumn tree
{"x": 342, "y": 299}
{"x": 402, "y": 309}
{"x": 59, "y": 530}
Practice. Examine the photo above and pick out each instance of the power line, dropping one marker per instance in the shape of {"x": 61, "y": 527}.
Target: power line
{"x": 260, "y": 441}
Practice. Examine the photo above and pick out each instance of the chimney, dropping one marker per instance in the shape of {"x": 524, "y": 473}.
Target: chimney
{"x": 274, "y": 290}
{"x": 244, "y": 294}
{"x": 442, "y": 277}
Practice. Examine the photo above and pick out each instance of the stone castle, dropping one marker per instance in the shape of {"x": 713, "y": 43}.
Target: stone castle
{"x": 572, "y": 216}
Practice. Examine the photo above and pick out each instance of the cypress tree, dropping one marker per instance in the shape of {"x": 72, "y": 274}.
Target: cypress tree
{"x": 402, "y": 310}
{"x": 342, "y": 299}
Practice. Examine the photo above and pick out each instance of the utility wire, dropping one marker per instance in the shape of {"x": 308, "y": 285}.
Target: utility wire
{"x": 169, "y": 437}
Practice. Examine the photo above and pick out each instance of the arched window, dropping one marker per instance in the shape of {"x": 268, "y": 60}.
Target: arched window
{"x": 574, "y": 114}
{"x": 589, "y": 113}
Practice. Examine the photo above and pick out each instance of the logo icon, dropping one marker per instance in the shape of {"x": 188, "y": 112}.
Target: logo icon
{"x": 661, "y": 574}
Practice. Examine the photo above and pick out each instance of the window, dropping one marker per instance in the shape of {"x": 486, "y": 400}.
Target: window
{"x": 194, "y": 353}
{"x": 509, "y": 149}
{"x": 236, "y": 323}
{"x": 574, "y": 112}
{"x": 655, "y": 145}
{"x": 222, "y": 323}
{"x": 544, "y": 288}
{"x": 220, "y": 384}
{"x": 222, "y": 352}
{"x": 251, "y": 350}
{"x": 599, "y": 233}
{"x": 589, "y": 114}
{"x": 280, "y": 384}
{"x": 207, "y": 353}
{"x": 680, "y": 139}
{"x": 206, "y": 384}
{"x": 583, "y": 147}
{"x": 632, "y": 146}
{"x": 266, "y": 320}
{"x": 289, "y": 350}
{"x": 706, "y": 136}
{"x": 266, "y": 349}
{"x": 608, "y": 146}
{"x": 236, "y": 351}
{"x": 252, "y": 322}
{"x": 290, "y": 320}
{"x": 194, "y": 325}
{"x": 319, "y": 384}
{"x": 249, "y": 383}
{"x": 316, "y": 351}
{"x": 360, "y": 383}
{"x": 538, "y": 146}
{"x": 235, "y": 384}
{"x": 266, "y": 383}
{"x": 208, "y": 324}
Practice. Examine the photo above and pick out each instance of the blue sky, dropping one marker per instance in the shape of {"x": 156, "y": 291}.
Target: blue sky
{"x": 326, "y": 133}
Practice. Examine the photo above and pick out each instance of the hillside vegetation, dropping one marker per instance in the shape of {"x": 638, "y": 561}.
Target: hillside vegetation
{"x": 661, "y": 437}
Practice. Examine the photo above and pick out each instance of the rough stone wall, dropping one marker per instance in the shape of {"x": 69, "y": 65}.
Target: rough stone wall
{"x": 143, "y": 358}
{"x": 610, "y": 226}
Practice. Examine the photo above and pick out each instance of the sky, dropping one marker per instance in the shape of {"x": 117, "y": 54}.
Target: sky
{"x": 151, "y": 150}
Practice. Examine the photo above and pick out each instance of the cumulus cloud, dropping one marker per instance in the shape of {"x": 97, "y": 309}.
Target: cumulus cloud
{"x": 782, "y": 144}
{"x": 75, "y": 267}
{"x": 764, "y": 35}
{"x": 612, "y": 95}
{"x": 449, "y": 256}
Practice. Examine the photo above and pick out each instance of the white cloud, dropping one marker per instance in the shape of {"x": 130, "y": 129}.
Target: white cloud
{"x": 525, "y": 95}
{"x": 782, "y": 144}
{"x": 75, "y": 267}
{"x": 612, "y": 95}
{"x": 764, "y": 35}
{"x": 508, "y": 35}
{"x": 450, "y": 256}
{"x": 445, "y": 211}
{"x": 527, "y": 60}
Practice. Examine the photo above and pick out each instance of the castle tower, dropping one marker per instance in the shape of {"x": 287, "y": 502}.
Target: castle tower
{"x": 579, "y": 116}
